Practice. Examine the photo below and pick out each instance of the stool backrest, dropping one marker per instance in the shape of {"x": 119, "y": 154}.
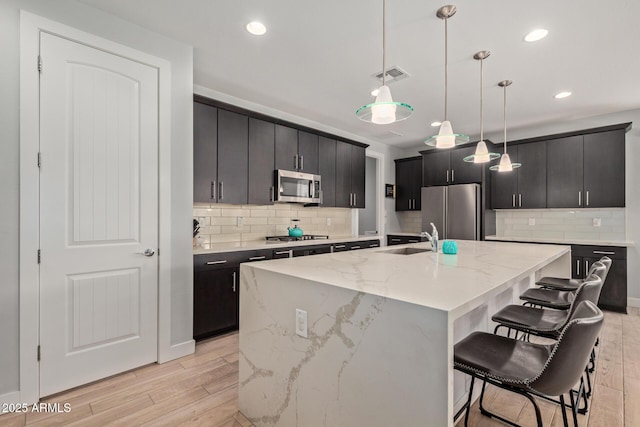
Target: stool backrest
{"x": 589, "y": 290}
{"x": 571, "y": 353}
{"x": 606, "y": 261}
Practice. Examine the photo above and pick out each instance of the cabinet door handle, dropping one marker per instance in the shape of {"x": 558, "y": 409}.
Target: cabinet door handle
{"x": 409, "y": 204}
{"x": 447, "y": 175}
{"x": 604, "y": 252}
{"x": 339, "y": 246}
{"x": 586, "y": 268}
{"x": 256, "y": 258}
{"x": 453, "y": 176}
{"x": 578, "y": 268}
{"x": 413, "y": 241}
{"x": 295, "y": 162}
{"x": 396, "y": 240}
{"x": 355, "y": 199}
{"x": 234, "y": 281}
{"x": 272, "y": 195}
{"x": 355, "y": 247}
{"x": 223, "y": 261}
{"x": 301, "y": 162}
{"x": 213, "y": 190}
{"x": 513, "y": 200}
{"x": 587, "y": 197}
{"x": 282, "y": 252}
{"x": 221, "y": 192}
{"x": 579, "y": 198}
{"x": 519, "y": 200}
{"x": 374, "y": 245}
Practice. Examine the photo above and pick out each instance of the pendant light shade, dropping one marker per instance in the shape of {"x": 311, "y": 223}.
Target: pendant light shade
{"x": 482, "y": 154}
{"x": 385, "y": 110}
{"x": 445, "y": 137}
{"x": 505, "y": 164}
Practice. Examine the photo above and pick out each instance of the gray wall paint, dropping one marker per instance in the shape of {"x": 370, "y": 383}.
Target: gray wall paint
{"x": 181, "y": 57}
{"x": 632, "y": 173}
{"x": 367, "y": 216}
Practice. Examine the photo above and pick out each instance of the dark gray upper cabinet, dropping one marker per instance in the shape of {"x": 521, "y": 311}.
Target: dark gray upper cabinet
{"x": 307, "y": 152}
{"x": 524, "y": 187}
{"x": 286, "y": 148}
{"x": 205, "y": 152}
{"x": 604, "y": 169}
{"x": 445, "y": 167}
{"x": 504, "y": 185}
{"x": 327, "y": 170}
{"x": 532, "y": 176}
{"x": 408, "y": 184}
{"x": 463, "y": 172}
{"x": 233, "y": 157}
{"x": 564, "y": 172}
{"x": 350, "y": 175}
{"x": 261, "y": 161}
{"x": 435, "y": 168}
{"x": 296, "y": 150}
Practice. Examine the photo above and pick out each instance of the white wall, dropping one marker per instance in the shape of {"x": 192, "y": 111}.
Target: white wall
{"x": 181, "y": 58}
{"x": 632, "y": 173}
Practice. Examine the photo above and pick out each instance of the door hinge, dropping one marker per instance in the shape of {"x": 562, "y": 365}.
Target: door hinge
{"x": 39, "y": 159}
{"x": 38, "y": 353}
{"x": 39, "y": 63}
{"x": 38, "y": 256}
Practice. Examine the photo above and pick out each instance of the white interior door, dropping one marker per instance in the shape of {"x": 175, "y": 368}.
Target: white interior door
{"x": 98, "y": 214}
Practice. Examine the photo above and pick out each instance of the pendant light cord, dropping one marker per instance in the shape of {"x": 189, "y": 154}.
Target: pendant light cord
{"x": 505, "y": 118}
{"x": 384, "y": 41}
{"x": 446, "y": 67}
{"x": 481, "y": 112}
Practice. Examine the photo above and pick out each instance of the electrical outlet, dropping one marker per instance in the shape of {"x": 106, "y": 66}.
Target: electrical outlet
{"x": 597, "y": 222}
{"x": 532, "y": 222}
{"x": 202, "y": 220}
{"x": 328, "y": 221}
{"x": 301, "y": 323}
{"x": 239, "y": 221}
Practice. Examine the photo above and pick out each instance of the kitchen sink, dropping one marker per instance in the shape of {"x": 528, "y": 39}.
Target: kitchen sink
{"x": 406, "y": 251}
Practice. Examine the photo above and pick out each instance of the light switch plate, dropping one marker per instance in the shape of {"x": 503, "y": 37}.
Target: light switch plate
{"x": 239, "y": 221}
{"x": 301, "y": 323}
{"x": 597, "y": 222}
{"x": 532, "y": 221}
{"x": 328, "y": 221}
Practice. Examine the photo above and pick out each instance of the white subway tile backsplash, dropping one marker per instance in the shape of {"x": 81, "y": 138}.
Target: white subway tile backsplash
{"x": 220, "y": 223}
{"x": 562, "y": 223}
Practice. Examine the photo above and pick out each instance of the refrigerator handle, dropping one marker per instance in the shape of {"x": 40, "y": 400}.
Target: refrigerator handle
{"x": 453, "y": 179}
{"x": 447, "y": 175}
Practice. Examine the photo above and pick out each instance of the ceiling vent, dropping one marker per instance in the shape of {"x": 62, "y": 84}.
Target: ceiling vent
{"x": 389, "y": 135}
{"x": 394, "y": 74}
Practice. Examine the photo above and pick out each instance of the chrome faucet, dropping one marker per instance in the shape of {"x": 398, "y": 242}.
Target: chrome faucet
{"x": 433, "y": 237}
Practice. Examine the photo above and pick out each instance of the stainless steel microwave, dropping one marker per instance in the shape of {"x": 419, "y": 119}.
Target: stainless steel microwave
{"x": 297, "y": 187}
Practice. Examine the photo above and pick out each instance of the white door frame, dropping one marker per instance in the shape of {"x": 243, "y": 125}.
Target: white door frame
{"x": 30, "y": 27}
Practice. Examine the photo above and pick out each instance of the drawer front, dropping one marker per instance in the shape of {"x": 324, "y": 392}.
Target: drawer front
{"x": 215, "y": 261}
{"x": 282, "y": 253}
{"x": 613, "y": 252}
{"x": 403, "y": 240}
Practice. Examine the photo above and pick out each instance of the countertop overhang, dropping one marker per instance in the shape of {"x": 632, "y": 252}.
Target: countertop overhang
{"x": 263, "y": 244}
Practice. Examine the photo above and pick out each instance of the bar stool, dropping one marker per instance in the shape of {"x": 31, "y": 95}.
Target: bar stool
{"x": 550, "y": 323}
{"x": 559, "y": 300}
{"x": 569, "y": 284}
{"x": 531, "y": 369}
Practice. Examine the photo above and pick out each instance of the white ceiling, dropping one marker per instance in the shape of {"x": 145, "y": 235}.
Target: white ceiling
{"x": 317, "y": 57}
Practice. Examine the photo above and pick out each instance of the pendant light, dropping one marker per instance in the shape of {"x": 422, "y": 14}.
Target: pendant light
{"x": 482, "y": 154}
{"x": 445, "y": 137}
{"x": 384, "y": 110}
{"x": 505, "y": 162}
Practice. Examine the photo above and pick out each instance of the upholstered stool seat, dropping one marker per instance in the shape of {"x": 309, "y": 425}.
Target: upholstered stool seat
{"x": 570, "y": 284}
{"x": 550, "y": 298}
{"x": 543, "y": 322}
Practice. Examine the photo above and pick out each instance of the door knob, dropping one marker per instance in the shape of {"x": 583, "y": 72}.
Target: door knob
{"x": 147, "y": 252}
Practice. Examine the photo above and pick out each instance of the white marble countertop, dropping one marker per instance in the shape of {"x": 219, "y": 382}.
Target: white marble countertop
{"x": 451, "y": 283}
{"x": 263, "y": 244}
{"x": 620, "y": 243}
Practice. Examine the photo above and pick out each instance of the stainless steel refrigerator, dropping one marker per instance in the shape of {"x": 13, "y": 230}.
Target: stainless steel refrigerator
{"x": 454, "y": 209}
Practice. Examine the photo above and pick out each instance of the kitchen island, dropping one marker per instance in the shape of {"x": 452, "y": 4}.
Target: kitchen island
{"x": 381, "y": 326}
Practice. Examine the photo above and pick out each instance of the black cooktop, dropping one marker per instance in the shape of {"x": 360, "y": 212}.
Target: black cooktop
{"x": 294, "y": 239}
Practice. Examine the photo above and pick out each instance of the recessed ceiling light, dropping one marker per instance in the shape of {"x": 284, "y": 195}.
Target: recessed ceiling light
{"x": 561, "y": 95}
{"x": 256, "y": 28}
{"x": 536, "y": 35}
{"x": 435, "y": 124}
{"x": 374, "y": 92}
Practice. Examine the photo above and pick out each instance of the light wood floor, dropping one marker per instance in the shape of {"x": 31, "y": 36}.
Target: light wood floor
{"x": 202, "y": 390}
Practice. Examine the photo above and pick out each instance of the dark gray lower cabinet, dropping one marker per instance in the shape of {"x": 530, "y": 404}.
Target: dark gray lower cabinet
{"x": 215, "y": 302}
{"x": 614, "y": 291}
{"x": 394, "y": 239}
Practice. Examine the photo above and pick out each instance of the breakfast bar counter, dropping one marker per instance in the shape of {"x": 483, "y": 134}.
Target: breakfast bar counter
{"x": 380, "y": 328}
